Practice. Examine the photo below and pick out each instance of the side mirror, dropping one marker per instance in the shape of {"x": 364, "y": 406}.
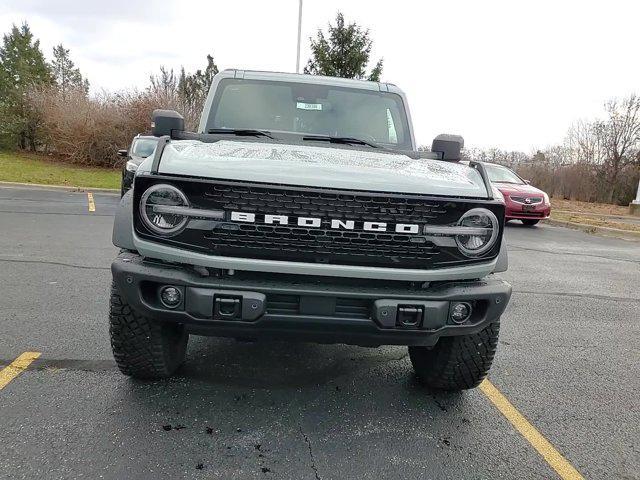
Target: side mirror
{"x": 528, "y": 182}
{"x": 449, "y": 146}
{"x": 163, "y": 122}
{"x": 123, "y": 153}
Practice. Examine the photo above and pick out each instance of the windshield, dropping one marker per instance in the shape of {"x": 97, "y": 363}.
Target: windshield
{"x": 502, "y": 175}
{"x": 143, "y": 147}
{"x": 303, "y": 108}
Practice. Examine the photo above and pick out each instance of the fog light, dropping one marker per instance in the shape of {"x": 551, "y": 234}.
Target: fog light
{"x": 170, "y": 296}
{"x": 460, "y": 312}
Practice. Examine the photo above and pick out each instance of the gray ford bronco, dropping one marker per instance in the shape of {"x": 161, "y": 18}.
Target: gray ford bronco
{"x": 302, "y": 210}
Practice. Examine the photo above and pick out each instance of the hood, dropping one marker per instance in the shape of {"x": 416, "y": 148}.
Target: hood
{"x": 137, "y": 159}
{"x": 512, "y": 189}
{"x": 341, "y": 168}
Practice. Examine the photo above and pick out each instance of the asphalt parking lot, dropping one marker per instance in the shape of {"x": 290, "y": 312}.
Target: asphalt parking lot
{"x": 568, "y": 361}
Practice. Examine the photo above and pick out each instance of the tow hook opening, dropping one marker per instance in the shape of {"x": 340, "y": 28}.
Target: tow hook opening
{"x": 409, "y": 316}
{"x": 227, "y": 308}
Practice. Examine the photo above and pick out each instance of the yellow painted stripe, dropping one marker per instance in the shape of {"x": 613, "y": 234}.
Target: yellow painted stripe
{"x": 16, "y": 367}
{"x": 530, "y": 433}
{"x": 92, "y": 204}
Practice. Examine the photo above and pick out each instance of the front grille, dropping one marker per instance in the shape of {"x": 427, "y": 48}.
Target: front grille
{"x": 532, "y": 200}
{"x": 324, "y": 244}
{"x": 315, "y": 203}
{"x": 529, "y": 214}
{"x": 317, "y": 244}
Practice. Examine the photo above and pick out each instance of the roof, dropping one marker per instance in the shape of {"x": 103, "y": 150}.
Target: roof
{"x": 306, "y": 78}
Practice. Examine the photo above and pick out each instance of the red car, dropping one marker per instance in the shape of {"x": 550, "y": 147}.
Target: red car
{"x": 523, "y": 202}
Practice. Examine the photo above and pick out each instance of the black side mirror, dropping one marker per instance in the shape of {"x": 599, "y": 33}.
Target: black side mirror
{"x": 449, "y": 146}
{"x": 165, "y": 121}
{"x": 123, "y": 153}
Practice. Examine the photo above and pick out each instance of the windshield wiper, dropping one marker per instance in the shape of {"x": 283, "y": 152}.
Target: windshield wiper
{"x": 240, "y": 132}
{"x": 342, "y": 140}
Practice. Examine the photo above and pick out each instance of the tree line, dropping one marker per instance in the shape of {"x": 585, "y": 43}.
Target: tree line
{"x": 46, "y": 106}
{"x": 599, "y": 160}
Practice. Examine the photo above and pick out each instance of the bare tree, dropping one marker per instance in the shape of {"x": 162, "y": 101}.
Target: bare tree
{"x": 585, "y": 142}
{"x": 621, "y": 138}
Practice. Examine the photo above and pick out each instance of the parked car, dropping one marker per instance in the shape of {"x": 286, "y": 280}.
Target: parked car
{"x": 142, "y": 147}
{"x": 523, "y": 202}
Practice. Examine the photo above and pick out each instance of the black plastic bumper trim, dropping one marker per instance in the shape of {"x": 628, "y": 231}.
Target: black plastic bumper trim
{"x": 132, "y": 275}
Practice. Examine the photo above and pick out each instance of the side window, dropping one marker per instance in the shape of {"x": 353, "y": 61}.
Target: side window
{"x": 393, "y": 135}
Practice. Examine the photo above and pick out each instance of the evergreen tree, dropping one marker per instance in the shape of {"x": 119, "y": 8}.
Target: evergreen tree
{"x": 193, "y": 88}
{"x": 343, "y": 53}
{"x": 185, "y": 92}
{"x": 66, "y": 74}
{"x": 22, "y": 67}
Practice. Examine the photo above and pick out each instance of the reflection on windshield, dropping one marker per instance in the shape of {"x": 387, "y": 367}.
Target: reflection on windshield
{"x": 502, "y": 175}
{"x": 312, "y": 109}
{"x": 144, "y": 147}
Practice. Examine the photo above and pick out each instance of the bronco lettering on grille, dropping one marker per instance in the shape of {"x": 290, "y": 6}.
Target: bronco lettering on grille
{"x": 315, "y": 222}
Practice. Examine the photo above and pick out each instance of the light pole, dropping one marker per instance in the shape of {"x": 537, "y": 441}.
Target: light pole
{"x": 299, "y": 32}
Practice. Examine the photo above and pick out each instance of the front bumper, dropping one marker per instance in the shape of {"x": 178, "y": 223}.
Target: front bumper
{"x": 516, "y": 211}
{"x": 307, "y": 308}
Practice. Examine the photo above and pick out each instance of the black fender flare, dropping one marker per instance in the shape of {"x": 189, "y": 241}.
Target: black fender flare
{"x": 122, "y": 235}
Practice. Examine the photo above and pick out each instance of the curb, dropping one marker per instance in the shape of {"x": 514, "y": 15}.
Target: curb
{"x": 70, "y": 188}
{"x": 596, "y": 230}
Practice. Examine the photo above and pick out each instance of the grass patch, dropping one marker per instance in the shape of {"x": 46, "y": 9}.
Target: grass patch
{"x": 596, "y": 221}
{"x": 30, "y": 168}
{"x": 575, "y": 206}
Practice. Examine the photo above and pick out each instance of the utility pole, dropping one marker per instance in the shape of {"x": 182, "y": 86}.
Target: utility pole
{"x": 299, "y": 32}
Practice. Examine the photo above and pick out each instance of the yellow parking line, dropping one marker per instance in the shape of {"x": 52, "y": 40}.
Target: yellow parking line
{"x": 16, "y": 367}
{"x": 92, "y": 204}
{"x": 530, "y": 433}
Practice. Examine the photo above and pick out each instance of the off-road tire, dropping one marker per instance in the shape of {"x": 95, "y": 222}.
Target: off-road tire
{"x": 144, "y": 348}
{"x": 456, "y": 363}
{"x": 530, "y": 223}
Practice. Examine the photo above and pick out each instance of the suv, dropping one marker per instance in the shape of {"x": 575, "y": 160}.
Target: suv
{"x": 142, "y": 147}
{"x": 301, "y": 210}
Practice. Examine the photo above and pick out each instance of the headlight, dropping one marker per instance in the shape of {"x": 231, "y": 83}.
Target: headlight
{"x": 546, "y": 199}
{"x": 497, "y": 194}
{"x": 483, "y": 232}
{"x": 131, "y": 166}
{"x": 157, "y": 212}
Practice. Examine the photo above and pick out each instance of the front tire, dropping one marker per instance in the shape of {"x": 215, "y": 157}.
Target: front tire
{"x": 530, "y": 223}
{"x": 142, "y": 347}
{"x": 456, "y": 363}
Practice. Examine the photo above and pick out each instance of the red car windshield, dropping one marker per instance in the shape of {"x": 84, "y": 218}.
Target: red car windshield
{"x": 498, "y": 174}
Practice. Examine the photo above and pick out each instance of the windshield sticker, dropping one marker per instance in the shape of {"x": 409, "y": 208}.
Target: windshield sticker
{"x": 309, "y": 106}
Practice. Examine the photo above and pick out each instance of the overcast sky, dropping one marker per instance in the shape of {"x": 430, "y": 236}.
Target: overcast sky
{"x": 512, "y": 74}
